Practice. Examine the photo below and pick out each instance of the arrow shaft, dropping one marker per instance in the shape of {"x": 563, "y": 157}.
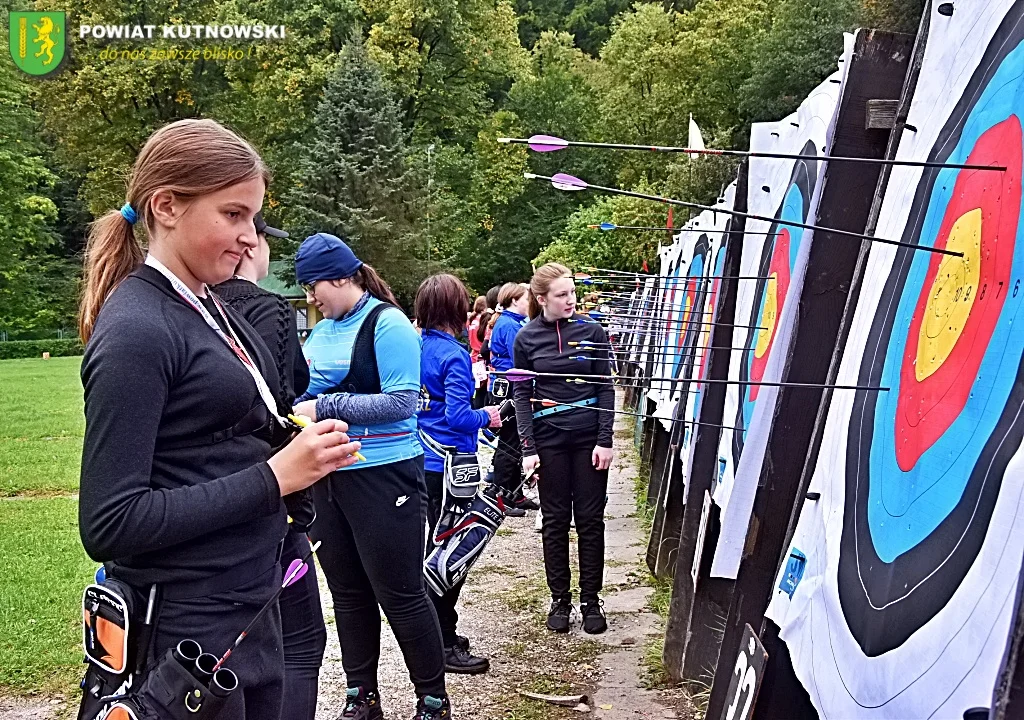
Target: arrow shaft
{"x": 633, "y": 414}
{"x": 764, "y": 218}
{"x": 586, "y": 379}
{"x": 759, "y": 154}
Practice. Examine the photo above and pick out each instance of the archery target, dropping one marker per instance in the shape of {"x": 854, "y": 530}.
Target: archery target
{"x": 775, "y": 271}
{"x": 789, "y": 193}
{"x": 915, "y": 546}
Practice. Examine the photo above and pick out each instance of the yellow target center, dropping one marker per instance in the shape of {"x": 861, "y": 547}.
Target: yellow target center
{"x": 951, "y": 296}
{"x": 768, "y": 316}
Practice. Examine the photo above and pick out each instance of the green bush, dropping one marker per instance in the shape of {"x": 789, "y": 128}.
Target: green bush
{"x": 16, "y": 349}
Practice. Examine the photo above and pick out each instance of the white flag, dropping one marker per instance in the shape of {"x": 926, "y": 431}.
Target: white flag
{"x": 695, "y": 139}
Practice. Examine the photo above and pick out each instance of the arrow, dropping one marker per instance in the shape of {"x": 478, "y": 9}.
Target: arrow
{"x": 549, "y": 143}
{"x": 561, "y": 181}
{"x": 607, "y": 226}
{"x": 554, "y": 403}
{"x": 519, "y": 375}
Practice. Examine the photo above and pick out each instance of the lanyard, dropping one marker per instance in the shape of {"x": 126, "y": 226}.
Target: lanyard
{"x": 232, "y": 341}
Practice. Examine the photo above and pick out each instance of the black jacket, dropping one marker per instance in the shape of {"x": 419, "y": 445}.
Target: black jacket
{"x": 274, "y": 319}
{"x": 543, "y": 346}
{"x": 175, "y": 486}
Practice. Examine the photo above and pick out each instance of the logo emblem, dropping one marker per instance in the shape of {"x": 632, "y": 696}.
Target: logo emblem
{"x": 38, "y": 41}
{"x": 401, "y": 501}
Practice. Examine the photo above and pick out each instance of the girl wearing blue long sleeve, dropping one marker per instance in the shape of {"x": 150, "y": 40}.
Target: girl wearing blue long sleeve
{"x": 446, "y": 415}
{"x": 514, "y": 298}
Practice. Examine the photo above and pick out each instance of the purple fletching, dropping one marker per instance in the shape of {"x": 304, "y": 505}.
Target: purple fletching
{"x": 519, "y": 375}
{"x": 561, "y": 181}
{"x": 296, "y": 570}
{"x": 547, "y": 143}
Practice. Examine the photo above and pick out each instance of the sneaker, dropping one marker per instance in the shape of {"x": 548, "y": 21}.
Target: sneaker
{"x": 558, "y": 616}
{"x": 538, "y": 524}
{"x": 460, "y": 662}
{"x": 361, "y": 704}
{"x": 513, "y": 511}
{"x": 594, "y": 621}
{"x": 525, "y": 503}
{"x": 462, "y": 641}
{"x": 432, "y": 708}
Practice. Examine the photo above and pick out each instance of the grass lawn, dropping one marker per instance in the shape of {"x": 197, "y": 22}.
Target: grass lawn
{"x": 41, "y": 426}
{"x": 43, "y": 567}
{"x": 44, "y": 571}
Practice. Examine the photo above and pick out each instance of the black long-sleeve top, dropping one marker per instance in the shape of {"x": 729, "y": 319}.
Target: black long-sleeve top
{"x": 159, "y": 497}
{"x": 543, "y": 346}
{"x": 274, "y": 320}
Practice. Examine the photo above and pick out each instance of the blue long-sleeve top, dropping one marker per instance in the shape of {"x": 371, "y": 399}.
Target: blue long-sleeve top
{"x": 503, "y": 339}
{"x": 446, "y": 390}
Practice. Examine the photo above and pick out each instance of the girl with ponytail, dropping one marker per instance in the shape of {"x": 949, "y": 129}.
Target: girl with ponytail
{"x": 178, "y": 486}
{"x": 364, "y": 368}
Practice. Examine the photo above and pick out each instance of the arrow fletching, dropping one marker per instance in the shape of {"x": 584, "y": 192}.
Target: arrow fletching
{"x": 562, "y": 181}
{"x": 607, "y": 226}
{"x": 295, "y": 572}
{"x": 547, "y": 143}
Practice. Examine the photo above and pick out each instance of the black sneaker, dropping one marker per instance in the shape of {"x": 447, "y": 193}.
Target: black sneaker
{"x": 513, "y": 511}
{"x": 460, "y": 662}
{"x": 524, "y": 503}
{"x": 594, "y": 621}
{"x": 432, "y": 708}
{"x": 462, "y": 641}
{"x": 558, "y": 616}
{"x": 361, "y": 704}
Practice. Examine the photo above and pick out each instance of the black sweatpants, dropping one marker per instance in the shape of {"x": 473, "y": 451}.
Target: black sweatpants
{"x": 304, "y": 632}
{"x": 570, "y": 487}
{"x": 214, "y": 622}
{"x": 508, "y": 458}
{"x": 444, "y": 605}
{"x": 371, "y": 522}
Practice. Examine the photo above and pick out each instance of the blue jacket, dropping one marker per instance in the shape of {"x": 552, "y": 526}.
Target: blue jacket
{"x": 503, "y": 339}
{"x": 445, "y": 411}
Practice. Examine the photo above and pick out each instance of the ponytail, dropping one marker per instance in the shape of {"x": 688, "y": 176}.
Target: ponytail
{"x": 111, "y": 254}
{"x": 368, "y": 279}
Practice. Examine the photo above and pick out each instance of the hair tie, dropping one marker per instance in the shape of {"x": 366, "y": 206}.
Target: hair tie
{"x": 129, "y": 214}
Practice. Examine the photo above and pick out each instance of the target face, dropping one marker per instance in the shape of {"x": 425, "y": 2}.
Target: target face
{"x": 693, "y": 318}
{"x": 778, "y": 258}
{"x": 925, "y": 461}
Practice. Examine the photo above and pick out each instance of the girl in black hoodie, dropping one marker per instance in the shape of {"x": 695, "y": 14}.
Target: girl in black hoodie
{"x": 569, "y": 437}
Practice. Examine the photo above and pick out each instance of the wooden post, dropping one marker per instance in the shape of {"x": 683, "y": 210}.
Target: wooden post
{"x": 877, "y": 69}
{"x": 704, "y": 468}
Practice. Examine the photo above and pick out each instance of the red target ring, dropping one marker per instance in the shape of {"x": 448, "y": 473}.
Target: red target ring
{"x": 961, "y": 299}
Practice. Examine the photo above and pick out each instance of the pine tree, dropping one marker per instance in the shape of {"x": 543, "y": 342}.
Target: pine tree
{"x": 354, "y": 179}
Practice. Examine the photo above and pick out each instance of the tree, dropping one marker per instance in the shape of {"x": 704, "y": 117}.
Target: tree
{"x": 26, "y": 210}
{"x": 451, "y": 61}
{"x": 797, "y": 54}
{"x": 356, "y": 181}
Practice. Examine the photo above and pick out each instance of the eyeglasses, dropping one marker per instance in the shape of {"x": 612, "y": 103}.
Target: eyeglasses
{"x": 309, "y": 289}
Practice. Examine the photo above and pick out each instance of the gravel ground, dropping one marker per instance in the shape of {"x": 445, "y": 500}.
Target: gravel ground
{"x": 502, "y": 611}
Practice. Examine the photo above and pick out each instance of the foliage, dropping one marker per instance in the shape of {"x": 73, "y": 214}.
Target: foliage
{"x": 26, "y": 208}
{"x": 797, "y": 53}
{"x": 356, "y": 182}
{"x": 16, "y": 349}
{"x": 429, "y": 187}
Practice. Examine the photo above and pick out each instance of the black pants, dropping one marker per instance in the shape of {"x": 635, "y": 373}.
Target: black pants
{"x": 444, "y": 605}
{"x": 371, "y": 522}
{"x": 304, "y": 633}
{"x": 508, "y": 458}
{"x": 571, "y": 487}
{"x": 214, "y": 622}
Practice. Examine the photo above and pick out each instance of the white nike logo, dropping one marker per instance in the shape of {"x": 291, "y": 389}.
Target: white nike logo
{"x": 401, "y": 501}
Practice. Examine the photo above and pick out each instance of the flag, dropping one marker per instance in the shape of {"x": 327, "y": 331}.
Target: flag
{"x": 695, "y": 139}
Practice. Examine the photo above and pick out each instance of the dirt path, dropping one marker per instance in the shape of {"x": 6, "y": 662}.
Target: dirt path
{"x": 502, "y": 611}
